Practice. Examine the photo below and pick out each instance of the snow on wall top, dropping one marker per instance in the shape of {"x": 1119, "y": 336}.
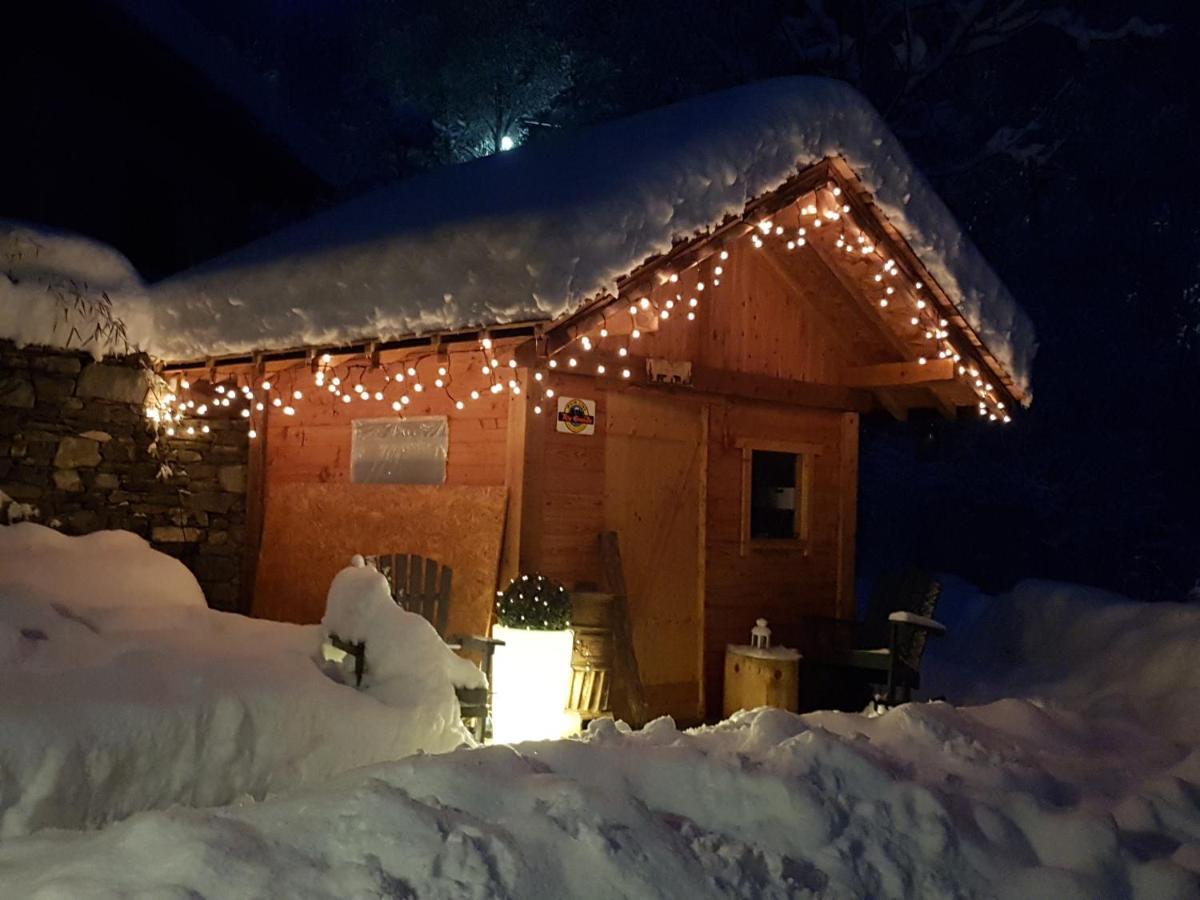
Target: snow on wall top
{"x": 43, "y": 273}
{"x": 532, "y": 233}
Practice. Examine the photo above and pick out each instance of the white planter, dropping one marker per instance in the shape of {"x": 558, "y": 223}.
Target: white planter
{"x": 531, "y": 676}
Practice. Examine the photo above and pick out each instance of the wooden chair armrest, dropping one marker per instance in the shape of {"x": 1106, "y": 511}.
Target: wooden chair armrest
{"x": 475, "y": 642}
{"x": 912, "y": 620}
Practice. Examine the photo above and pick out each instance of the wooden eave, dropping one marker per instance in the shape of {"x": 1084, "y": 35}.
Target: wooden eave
{"x": 895, "y": 383}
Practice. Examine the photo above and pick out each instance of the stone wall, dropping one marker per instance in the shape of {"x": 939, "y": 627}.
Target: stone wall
{"x": 76, "y": 444}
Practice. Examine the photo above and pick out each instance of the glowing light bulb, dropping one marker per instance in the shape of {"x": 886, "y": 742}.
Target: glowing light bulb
{"x": 441, "y": 370}
{"x": 437, "y": 382}
{"x": 550, "y": 392}
{"x": 289, "y": 411}
{"x": 486, "y": 343}
{"x": 603, "y": 332}
{"x": 458, "y": 404}
{"x": 625, "y": 373}
{"x": 624, "y": 351}
{"x": 883, "y": 301}
{"x": 266, "y": 385}
{"x": 600, "y": 369}
{"x": 572, "y": 362}
{"x": 395, "y": 406}
{"x": 635, "y": 334}
{"x": 185, "y": 384}
{"x": 724, "y": 254}
{"x": 379, "y": 395}
{"x": 252, "y": 434}
{"x": 537, "y": 410}
{"x": 245, "y": 413}
{"x": 418, "y": 387}
{"x": 553, "y": 363}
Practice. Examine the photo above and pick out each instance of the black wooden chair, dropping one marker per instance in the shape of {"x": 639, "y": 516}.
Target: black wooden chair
{"x": 889, "y": 643}
{"x": 422, "y": 586}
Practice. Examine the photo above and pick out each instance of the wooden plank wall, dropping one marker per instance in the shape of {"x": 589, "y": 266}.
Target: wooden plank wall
{"x": 779, "y": 584}
{"x": 655, "y": 464}
{"x": 313, "y": 447}
{"x": 753, "y": 321}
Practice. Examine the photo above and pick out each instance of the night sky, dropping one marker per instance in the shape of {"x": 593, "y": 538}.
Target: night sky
{"x": 1064, "y": 137}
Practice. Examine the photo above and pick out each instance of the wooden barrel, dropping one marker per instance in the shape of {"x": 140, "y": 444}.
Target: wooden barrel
{"x": 755, "y": 678}
{"x": 592, "y": 657}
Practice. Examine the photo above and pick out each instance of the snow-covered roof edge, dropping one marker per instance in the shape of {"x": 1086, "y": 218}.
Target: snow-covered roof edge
{"x": 532, "y": 234}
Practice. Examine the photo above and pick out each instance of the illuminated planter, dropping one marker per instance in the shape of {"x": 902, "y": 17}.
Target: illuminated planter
{"x": 531, "y": 676}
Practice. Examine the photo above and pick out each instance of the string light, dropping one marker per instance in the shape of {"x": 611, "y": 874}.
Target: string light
{"x": 900, "y": 292}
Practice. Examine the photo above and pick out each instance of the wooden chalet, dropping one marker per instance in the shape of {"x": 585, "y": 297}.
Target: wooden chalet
{"x": 706, "y": 410}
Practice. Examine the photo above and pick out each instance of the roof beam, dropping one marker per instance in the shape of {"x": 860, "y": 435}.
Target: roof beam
{"x": 899, "y": 374}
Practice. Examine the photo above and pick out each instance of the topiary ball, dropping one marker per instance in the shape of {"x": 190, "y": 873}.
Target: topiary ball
{"x": 534, "y": 602}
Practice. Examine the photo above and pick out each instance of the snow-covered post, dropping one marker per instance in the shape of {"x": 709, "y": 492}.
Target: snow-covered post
{"x": 531, "y": 673}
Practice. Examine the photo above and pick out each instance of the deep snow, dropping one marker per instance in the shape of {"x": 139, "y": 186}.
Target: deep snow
{"x": 1084, "y": 783}
{"x": 121, "y": 691}
{"x": 528, "y": 235}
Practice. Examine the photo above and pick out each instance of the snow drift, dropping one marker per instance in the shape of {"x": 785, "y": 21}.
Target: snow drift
{"x": 528, "y": 235}
{"x": 120, "y": 691}
{"x": 1023, "y": 797}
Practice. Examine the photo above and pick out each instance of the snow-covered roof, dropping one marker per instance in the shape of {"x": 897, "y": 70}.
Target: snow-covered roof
{"x": 531, "y": 234}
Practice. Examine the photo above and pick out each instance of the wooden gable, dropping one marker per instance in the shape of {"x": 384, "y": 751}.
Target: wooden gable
{"x": 811, "y": 284}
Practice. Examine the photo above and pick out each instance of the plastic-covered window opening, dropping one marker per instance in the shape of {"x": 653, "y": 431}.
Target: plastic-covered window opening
{"x": 399, "y": 451}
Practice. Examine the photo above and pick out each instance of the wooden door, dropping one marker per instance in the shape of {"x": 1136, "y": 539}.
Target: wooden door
{"x": 655, "y": 464}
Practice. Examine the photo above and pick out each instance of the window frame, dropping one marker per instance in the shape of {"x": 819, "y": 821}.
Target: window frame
{"x": 801, "y": 525}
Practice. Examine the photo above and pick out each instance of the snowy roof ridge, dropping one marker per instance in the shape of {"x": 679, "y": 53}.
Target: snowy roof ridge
{"x": 534, "y": 233}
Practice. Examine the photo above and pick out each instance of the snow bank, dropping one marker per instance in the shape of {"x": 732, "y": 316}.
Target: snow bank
{"x": 926, "y": 801}
{"x": 101, "y": 569}
{"x": 120, "y": 691}
{"x": 41, "y": 273}
{"x": 530, "y": 234}
{"x": 1096, "y": 653}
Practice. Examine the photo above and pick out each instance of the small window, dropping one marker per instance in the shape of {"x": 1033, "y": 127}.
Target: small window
{"x": 399, "y": 451}
{"x": 775, "y": 494}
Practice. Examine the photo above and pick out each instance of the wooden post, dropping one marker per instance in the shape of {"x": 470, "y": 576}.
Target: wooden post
{"x": 625, "y": 659}
{"x": 847, "y": 514}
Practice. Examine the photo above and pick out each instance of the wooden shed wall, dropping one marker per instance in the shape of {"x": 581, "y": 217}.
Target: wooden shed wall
{"x": 764, "y": 318}
{"x": 314, "y": 447}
